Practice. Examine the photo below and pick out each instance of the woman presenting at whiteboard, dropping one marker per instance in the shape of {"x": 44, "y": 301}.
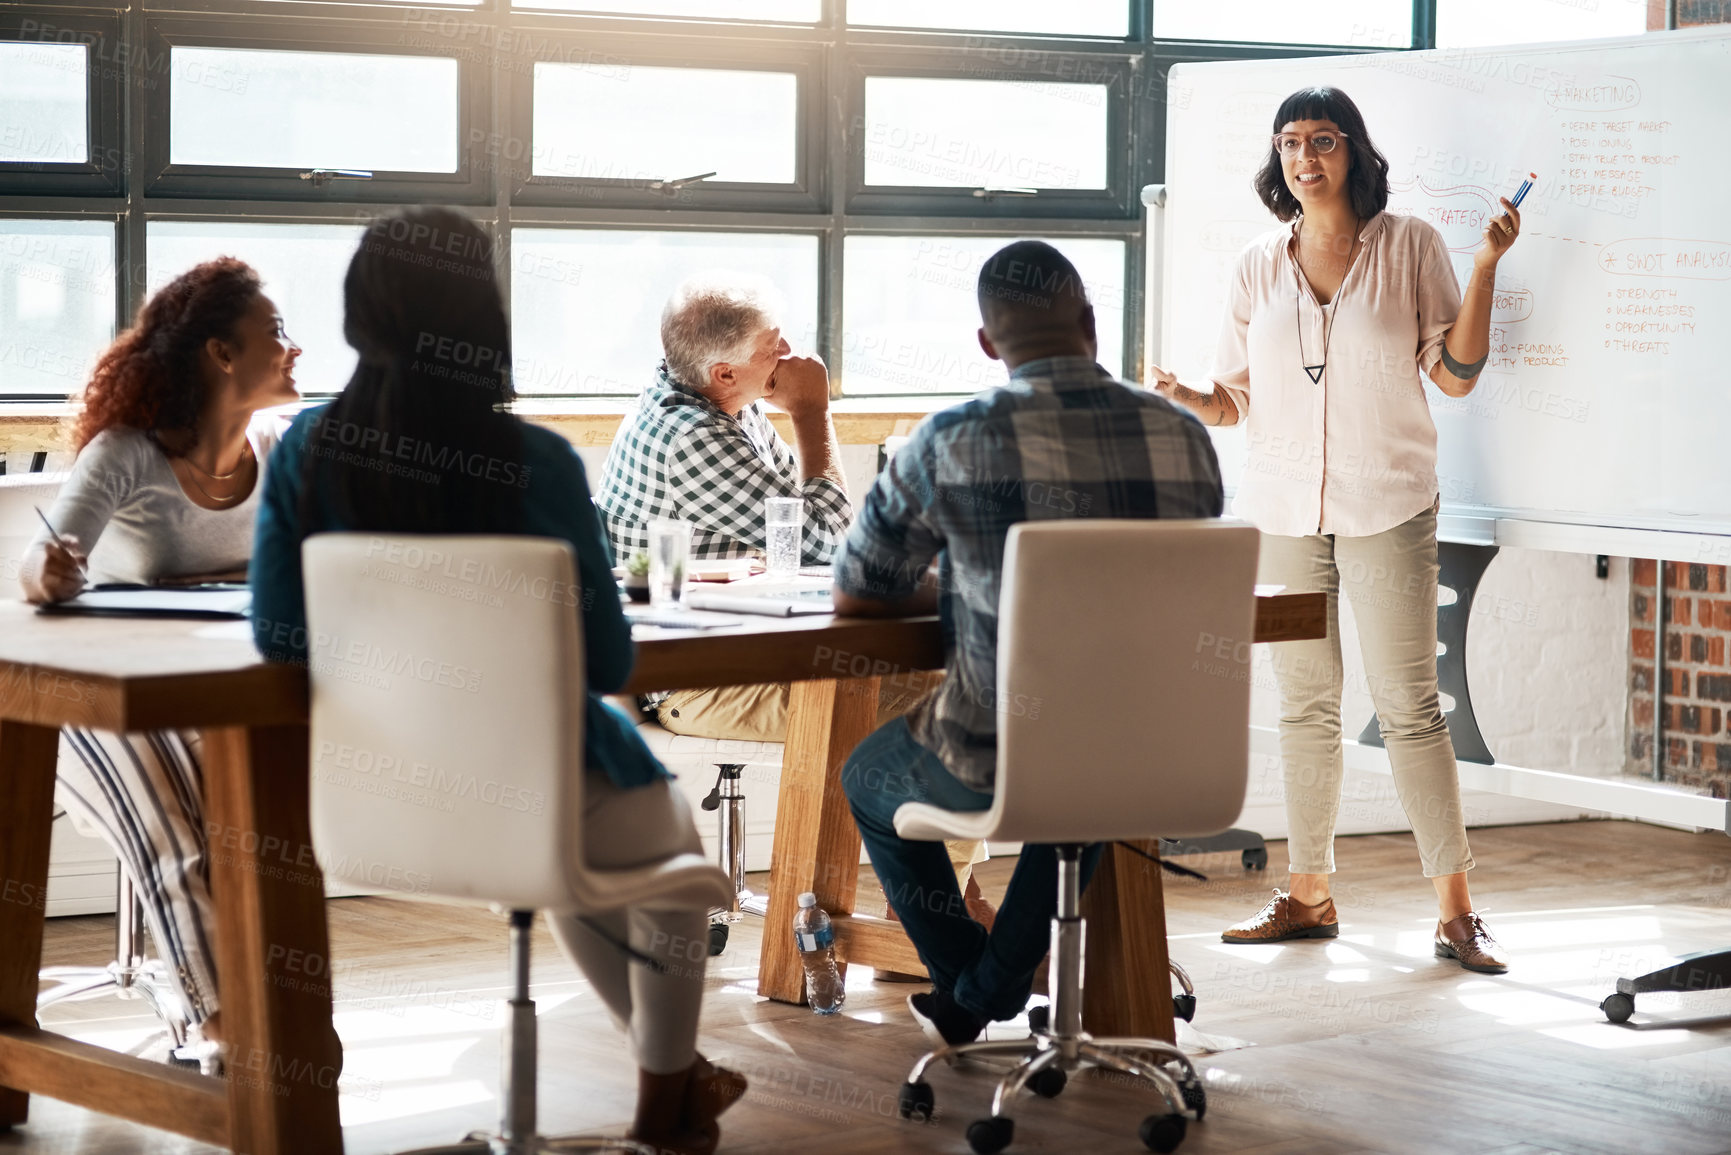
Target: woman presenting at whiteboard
{"x": 1334, "y": 319}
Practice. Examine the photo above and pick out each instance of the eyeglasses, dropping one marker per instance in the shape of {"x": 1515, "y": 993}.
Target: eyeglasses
{"x": 1322, "y": 143}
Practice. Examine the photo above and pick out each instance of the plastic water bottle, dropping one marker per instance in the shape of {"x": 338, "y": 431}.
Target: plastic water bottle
{"x": 815, "y": 939}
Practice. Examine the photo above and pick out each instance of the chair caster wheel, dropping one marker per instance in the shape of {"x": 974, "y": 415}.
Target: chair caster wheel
{"x": 1162, "y": 1133}
{"x": 1618, "y": 1007}
{"x": 916, "y": 1102}
{"x": 1184, "y": 1006}
{"x": 1049, "y": 1083}
{"x": 1039, "y": 1019}
{"x": 989, "y": 1136}
{"x": 1194, "y": 1096}
{"x": 1254, "y": 858}
{"x": 718, "y": 937}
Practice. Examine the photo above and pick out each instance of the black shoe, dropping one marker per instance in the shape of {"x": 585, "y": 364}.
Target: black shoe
{"x": 943, "y": 1020}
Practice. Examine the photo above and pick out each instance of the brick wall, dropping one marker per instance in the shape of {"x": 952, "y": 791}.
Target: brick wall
{"x": 1696, "y": 695}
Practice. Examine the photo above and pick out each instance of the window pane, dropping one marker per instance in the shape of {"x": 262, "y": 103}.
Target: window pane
{"x": 44, "y": 102}
{"x": 258, "y": 108}
{"x": 783, "y": 11}
{"x": 1071, "y": 18}
{"x": 1373, "y": 23}
{"x": 984, "y": 133}
{"x": 56, "y": 303}
{"x": 910, "y": 313}
{"x": 1471, "y": 23}
{"x": 586, "y": 304}
{"x": 625, "y": 122}
{"x": 302, "y": 267}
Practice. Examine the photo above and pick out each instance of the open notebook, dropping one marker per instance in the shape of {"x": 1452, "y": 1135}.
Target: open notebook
{"x": 224, "y": 601}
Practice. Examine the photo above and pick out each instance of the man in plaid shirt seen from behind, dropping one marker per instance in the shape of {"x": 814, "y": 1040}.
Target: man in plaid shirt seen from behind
{"x": 1061, "y": 439}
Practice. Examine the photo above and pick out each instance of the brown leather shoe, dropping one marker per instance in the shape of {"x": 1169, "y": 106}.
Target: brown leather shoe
{"x": 1467, "y": 939}
{"x": 1285, "y": 917}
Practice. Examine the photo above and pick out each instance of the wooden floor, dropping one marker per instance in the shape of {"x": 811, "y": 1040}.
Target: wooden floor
{"x": 1367, "y": 1043}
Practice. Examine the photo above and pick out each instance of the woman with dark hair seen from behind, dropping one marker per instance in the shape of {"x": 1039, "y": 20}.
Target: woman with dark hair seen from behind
{"x": 428, "y": 272}
{"x": 171, "y": 456}
{"x": 1334, "y": 320}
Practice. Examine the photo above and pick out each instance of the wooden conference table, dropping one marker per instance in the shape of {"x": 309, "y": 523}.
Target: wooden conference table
{"x": 280, "y": 1093}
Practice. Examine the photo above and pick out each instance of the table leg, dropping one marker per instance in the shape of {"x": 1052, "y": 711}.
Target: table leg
{"x": 27, "y": 758}
{"x": 272, "y": 948}
{"x": 1129, "y": 990}
{"x": 816, "y": 842}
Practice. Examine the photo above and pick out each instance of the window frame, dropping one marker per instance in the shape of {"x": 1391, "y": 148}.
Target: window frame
{"x": 104, "y": 172}
{"x": 808, "y": 192}
{"x": 1114, "y": 67}
{"x": 469, "y": 185}
{"x": 490, "y": 40}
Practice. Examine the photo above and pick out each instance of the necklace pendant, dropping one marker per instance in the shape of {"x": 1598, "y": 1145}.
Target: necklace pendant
{"x": 1315, "y": 372}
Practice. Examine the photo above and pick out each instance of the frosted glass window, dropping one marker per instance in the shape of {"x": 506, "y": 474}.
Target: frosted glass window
{"x": 586, "y": 303}
{"x": 1372, "y": 23}
{"x": 256, "y": 108}
{"x": 780, "y": 11}
{"x": 910, "y": 313}
{"x": 44, "y": 102}
{"x": 941, "y": 133}
{"x": 57, "y": 291}
{"x": 1071, "y": 18}
{"x": 625, "y": 122}
{"x": 302, "y": 267}
{"x": 1472, "y": 23}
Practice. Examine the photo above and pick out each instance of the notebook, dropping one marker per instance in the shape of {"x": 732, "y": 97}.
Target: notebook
{"x": 217, "y": 602}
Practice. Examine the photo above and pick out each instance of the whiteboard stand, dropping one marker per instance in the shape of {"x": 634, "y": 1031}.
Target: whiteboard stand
{"x": 1461, "y": 567}
{"x": 1252, "y": 849}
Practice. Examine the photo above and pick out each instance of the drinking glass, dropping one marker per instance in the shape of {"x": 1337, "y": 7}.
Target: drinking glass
{"x": 783, "y": 526}
{"x": 669, "y": 549}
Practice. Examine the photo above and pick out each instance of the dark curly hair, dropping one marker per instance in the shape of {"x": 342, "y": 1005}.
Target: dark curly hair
{"x": 149, "y": 378}
{"x": 1366, "y": 180}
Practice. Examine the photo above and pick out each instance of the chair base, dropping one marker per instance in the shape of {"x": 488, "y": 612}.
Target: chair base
{"x": 517, "y": 1134}
{"x": 1058, "y": 1046}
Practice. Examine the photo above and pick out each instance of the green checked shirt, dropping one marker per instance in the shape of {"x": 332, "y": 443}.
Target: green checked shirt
{"x": 679, "y": 457}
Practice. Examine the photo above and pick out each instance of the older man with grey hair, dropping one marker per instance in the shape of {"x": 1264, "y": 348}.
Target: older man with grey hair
{"x": 700, "y": 449}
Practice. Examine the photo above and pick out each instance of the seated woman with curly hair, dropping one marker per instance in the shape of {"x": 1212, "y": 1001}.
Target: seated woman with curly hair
{"x": 165, "y": 488}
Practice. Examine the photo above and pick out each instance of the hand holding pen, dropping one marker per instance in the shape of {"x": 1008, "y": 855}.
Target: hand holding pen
{"x": 1499, "y": 235}
{"x": 62, "y": 572}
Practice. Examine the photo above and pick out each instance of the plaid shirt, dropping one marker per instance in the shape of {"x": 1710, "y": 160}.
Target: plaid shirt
{"x": 681, "y": 458}
{"x": 1062, "y": 439}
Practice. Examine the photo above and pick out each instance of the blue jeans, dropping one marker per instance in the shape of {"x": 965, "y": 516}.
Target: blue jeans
{"x": 989, "y": 975}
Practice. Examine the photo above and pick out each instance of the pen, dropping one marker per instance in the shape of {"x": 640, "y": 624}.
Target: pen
{"x": 1526, "y": 187}
{"x": 57, "y": 540}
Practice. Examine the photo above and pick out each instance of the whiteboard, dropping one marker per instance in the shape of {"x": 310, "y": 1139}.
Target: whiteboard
{"x": 1607, "y": 397}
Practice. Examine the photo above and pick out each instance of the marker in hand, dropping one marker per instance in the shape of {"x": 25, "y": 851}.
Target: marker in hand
{"x": 1526, "y": 187}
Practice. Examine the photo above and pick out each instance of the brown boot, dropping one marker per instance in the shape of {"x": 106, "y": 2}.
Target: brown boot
{"x": 1467, "y": 939}
{"x": 661, "y": 1116}
{"x": 1284, "y": 918}
{"x": 711, "y": 1091}
{"x": 979, "y": 909}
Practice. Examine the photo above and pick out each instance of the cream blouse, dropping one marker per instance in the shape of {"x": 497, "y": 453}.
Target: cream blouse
{"x": 1353, "y": 453}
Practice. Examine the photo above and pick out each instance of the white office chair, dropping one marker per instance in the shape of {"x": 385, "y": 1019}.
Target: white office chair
{"x": 478, "y": 707}
{"x": 1134, "y": 638}
{"x": 694, "y": 759}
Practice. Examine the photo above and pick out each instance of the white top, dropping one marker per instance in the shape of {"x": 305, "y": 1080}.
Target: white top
{"x": 1353, "y": 454}
{"x": 131, "y": 516}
